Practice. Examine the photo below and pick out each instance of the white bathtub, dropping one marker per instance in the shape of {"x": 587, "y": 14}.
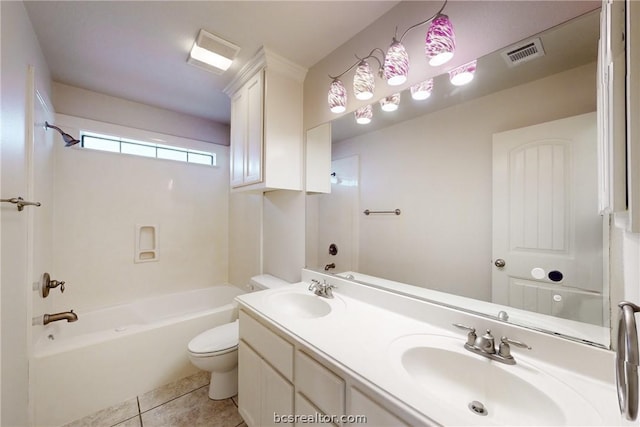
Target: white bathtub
{"x": 116, "y": 353}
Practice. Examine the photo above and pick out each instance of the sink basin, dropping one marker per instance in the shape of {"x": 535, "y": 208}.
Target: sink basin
{"x": 481, "y": 391}
{"x": 300, "y": 305}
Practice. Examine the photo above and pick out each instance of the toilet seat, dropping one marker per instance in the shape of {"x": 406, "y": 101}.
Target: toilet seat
{"x": 219, "y": 340}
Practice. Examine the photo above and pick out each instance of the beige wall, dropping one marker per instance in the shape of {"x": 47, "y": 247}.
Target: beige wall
{"x": 438, "y": 170}
{"x": 84, "y": 103}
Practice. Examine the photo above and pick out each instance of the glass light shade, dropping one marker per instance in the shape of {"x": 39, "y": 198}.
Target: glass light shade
{"x": 422, "y": 90}
{"x": 337, "y": 97}
{"x": 463, "y": 74}
{"x": 396, "y": 64}
{"x": 364, "y": 115}
{"x": 390, "y": 103}
{"x": 363, "y": 81}
{"x": 440, "y": 43}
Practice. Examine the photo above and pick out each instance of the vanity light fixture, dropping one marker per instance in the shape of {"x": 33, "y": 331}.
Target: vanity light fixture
{"x": 394, "y": 66}
{"x": 364, "y": 115}
{"x": 212, "y": 53}
{"x": 337, "y": 96}
{"x": 463, "y": 74}
{"x": 391, "y": 102}
{"x": 422, "y": 90}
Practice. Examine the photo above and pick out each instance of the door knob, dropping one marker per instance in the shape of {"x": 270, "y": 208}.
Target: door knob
{"x": 500, "y": 263}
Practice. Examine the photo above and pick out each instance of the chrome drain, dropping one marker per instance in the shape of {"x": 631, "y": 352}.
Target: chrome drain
{"x": 478, "y": 408}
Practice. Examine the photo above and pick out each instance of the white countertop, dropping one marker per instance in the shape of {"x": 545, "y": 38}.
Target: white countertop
{"x": 362, "y": 337}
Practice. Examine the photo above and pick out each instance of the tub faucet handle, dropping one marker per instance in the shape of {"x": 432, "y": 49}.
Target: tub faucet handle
{"x": 55, "y": 283}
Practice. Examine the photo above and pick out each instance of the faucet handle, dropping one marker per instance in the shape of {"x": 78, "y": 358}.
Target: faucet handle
{"x": 505, "y": 349}
{"x": 314, "y": 284}
{"x": 471, "y": 337}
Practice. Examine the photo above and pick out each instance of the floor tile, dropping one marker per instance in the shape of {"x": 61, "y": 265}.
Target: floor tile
{"x": 194, "y": 410}
{"x": 131, "y": 422}
{"x": 110, "y": 416}
{"x": 235, "y": 399}
{"x": 171, "y": 391}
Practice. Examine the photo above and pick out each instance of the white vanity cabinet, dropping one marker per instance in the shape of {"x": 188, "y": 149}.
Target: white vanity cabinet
{"x": 265, "y": 372}
{"x": 266, "y": 151}
{"x": 279, "y": 377}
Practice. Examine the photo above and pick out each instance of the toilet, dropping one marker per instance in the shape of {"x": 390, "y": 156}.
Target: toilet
{"x": 216, "y": 350}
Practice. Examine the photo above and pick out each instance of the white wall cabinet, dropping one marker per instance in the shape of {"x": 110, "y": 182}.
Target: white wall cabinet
{"x": 279, "y": 376}
{"x": 266, "y": 151}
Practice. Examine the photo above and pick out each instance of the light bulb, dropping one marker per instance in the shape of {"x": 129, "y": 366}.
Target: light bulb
{"x": 390, "y": 103}
{"x": 363, "y": 81}
{"x": 396, "y": 64}
{"x": 440, "y": 42}
{"x": 463, "y": 74}
{"x": 422, "y": 90}
{"x": 337, "y": 97}
{"x": 364, "y": 115}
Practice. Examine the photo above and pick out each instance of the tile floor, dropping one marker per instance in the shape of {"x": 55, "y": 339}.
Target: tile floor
{"x": 184, "y": 403}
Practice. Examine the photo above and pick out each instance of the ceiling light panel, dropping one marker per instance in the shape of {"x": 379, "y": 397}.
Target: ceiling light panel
{"x": 212, "y": 53}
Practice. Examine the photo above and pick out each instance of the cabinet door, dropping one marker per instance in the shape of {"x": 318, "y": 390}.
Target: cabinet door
{"x": 238, "y": 138}
{"x": 276, "y": 396}
{"x": 249, "y": 364}
{"x": 255, "y": 131}
{"x": 374, "y": 414}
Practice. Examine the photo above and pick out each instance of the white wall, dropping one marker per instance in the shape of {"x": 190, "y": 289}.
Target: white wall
{"x": 20, "y": 48}
{"x": 74, "y": 101}
{"x": 245, "y": 237}
{"x": 99, "y": 199}
{"x": 438, "y": 170}
{"x": 284, "y": 228}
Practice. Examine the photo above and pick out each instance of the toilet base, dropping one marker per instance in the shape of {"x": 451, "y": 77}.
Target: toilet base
{"x": 223, "y": 385}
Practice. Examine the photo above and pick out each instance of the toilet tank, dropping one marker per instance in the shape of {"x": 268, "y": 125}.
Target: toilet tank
{"x": 265, "y": 281}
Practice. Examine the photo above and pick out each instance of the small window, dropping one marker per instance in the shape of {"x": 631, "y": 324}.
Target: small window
{"x": 114, "y": 144}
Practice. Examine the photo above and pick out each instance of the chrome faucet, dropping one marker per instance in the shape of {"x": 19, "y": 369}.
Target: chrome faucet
{"x": 323, "y": 289}
{"x": 485, "y": 345}
{"x": 70, "y": 316}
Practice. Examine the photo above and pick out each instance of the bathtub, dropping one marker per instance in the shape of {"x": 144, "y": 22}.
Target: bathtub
{"x": 117, "y": 353}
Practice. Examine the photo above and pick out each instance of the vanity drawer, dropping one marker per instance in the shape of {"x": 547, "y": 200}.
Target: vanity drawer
{"x": 322, "y": 387}
{"x": 274, "y": 349}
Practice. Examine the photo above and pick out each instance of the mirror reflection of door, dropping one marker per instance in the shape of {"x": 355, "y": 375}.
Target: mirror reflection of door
{"x": 547, "y": 232}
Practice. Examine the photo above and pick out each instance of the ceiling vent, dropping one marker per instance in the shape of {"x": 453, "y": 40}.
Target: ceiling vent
{"x": 523, "y": 52}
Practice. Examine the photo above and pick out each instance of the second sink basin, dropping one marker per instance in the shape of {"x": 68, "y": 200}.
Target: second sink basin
{"x": 483, "y": 391}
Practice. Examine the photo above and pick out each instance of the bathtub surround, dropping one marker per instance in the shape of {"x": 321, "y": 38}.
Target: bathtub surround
{"x": 96, "y": 215}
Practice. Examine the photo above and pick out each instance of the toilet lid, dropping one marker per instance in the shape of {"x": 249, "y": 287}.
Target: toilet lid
{"x": 217, "y": 339}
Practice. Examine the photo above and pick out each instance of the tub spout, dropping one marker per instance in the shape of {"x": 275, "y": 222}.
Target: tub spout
{"x": 69, "y": 315}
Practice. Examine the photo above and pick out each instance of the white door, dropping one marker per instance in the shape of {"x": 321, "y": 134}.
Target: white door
{"x": 546, "y": 226}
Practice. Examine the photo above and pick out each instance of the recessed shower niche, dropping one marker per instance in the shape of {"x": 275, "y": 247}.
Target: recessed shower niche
{"x": 146, "y": 243}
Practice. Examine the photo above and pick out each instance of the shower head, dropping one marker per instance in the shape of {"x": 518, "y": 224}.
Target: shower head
{"x": 68, "y": 139}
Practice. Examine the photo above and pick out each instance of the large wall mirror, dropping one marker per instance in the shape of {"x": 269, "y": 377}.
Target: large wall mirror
{"x": 484, "y": 196}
